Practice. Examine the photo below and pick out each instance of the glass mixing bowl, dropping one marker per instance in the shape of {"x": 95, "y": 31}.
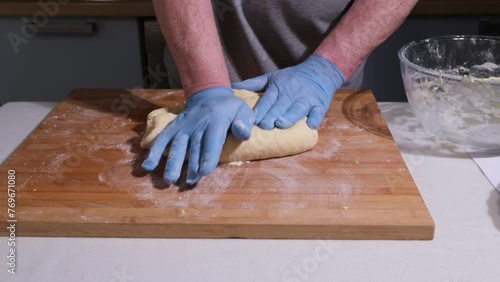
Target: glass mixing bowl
{"x": 453, "y": 87}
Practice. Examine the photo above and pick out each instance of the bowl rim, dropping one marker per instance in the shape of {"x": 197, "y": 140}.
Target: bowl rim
{"x": 404, "y": 60}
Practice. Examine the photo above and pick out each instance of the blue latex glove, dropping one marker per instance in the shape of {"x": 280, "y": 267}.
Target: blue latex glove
{"x": 295, "y": 92}
{"x": 202, "y": 126}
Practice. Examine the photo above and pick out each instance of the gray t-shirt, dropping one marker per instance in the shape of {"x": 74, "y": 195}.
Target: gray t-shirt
{"x": 266, "y": 35}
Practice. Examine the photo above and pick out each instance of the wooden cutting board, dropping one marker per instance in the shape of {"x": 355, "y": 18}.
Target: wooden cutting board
{"x": 78, "y": 174}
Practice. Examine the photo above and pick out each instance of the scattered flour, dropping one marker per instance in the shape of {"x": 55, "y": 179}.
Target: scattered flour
{"x": 326, "y": 151}
{"x": 342, "y": 126}
{"x": 283, "y": 176}
{"x": 238, "y": 163}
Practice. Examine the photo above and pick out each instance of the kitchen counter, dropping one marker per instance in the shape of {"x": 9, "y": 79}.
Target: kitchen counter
{"x": 464, "y": 205}
{"x": 144, "y": 8}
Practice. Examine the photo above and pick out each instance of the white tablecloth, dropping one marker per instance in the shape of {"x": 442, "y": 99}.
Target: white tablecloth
{"x": 464, "y": 205}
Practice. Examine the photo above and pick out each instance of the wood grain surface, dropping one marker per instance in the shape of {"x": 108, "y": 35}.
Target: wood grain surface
{"x": 78, "y": 174}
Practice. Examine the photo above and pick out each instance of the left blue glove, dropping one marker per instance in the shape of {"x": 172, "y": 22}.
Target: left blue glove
{"x": 295, "y": 92}
{"x": 202, "y": 126}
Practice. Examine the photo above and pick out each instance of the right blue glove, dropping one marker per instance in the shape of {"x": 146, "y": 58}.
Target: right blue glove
{"x": 202, "y": 126}
{"x": 292, "y": 93}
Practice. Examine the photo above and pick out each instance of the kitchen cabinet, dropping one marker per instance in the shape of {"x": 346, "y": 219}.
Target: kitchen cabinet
{"x": 67, "y": 53}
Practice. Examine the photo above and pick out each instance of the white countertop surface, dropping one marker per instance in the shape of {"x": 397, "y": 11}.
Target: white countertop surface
{"x": 464, "y": 205}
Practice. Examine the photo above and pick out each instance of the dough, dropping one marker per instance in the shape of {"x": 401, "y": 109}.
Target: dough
{"x": 263, "y": 144}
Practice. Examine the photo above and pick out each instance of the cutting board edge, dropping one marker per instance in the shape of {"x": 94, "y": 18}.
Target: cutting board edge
{"x": 245, "y": 231}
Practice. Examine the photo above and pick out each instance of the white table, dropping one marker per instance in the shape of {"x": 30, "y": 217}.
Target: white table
{"x": 464, "y": 205}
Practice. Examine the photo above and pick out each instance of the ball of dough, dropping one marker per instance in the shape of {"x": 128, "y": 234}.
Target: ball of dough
{"x": 263, "y": 144}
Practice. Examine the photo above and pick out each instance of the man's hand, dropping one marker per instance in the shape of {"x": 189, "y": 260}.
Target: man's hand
{"x": 295, "y": 92}
{"x": 203, "y": 127}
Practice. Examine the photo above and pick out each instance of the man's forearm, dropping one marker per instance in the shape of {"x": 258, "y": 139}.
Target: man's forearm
{"x": 365, "y": 26}
{"x": 191, "y": 34}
